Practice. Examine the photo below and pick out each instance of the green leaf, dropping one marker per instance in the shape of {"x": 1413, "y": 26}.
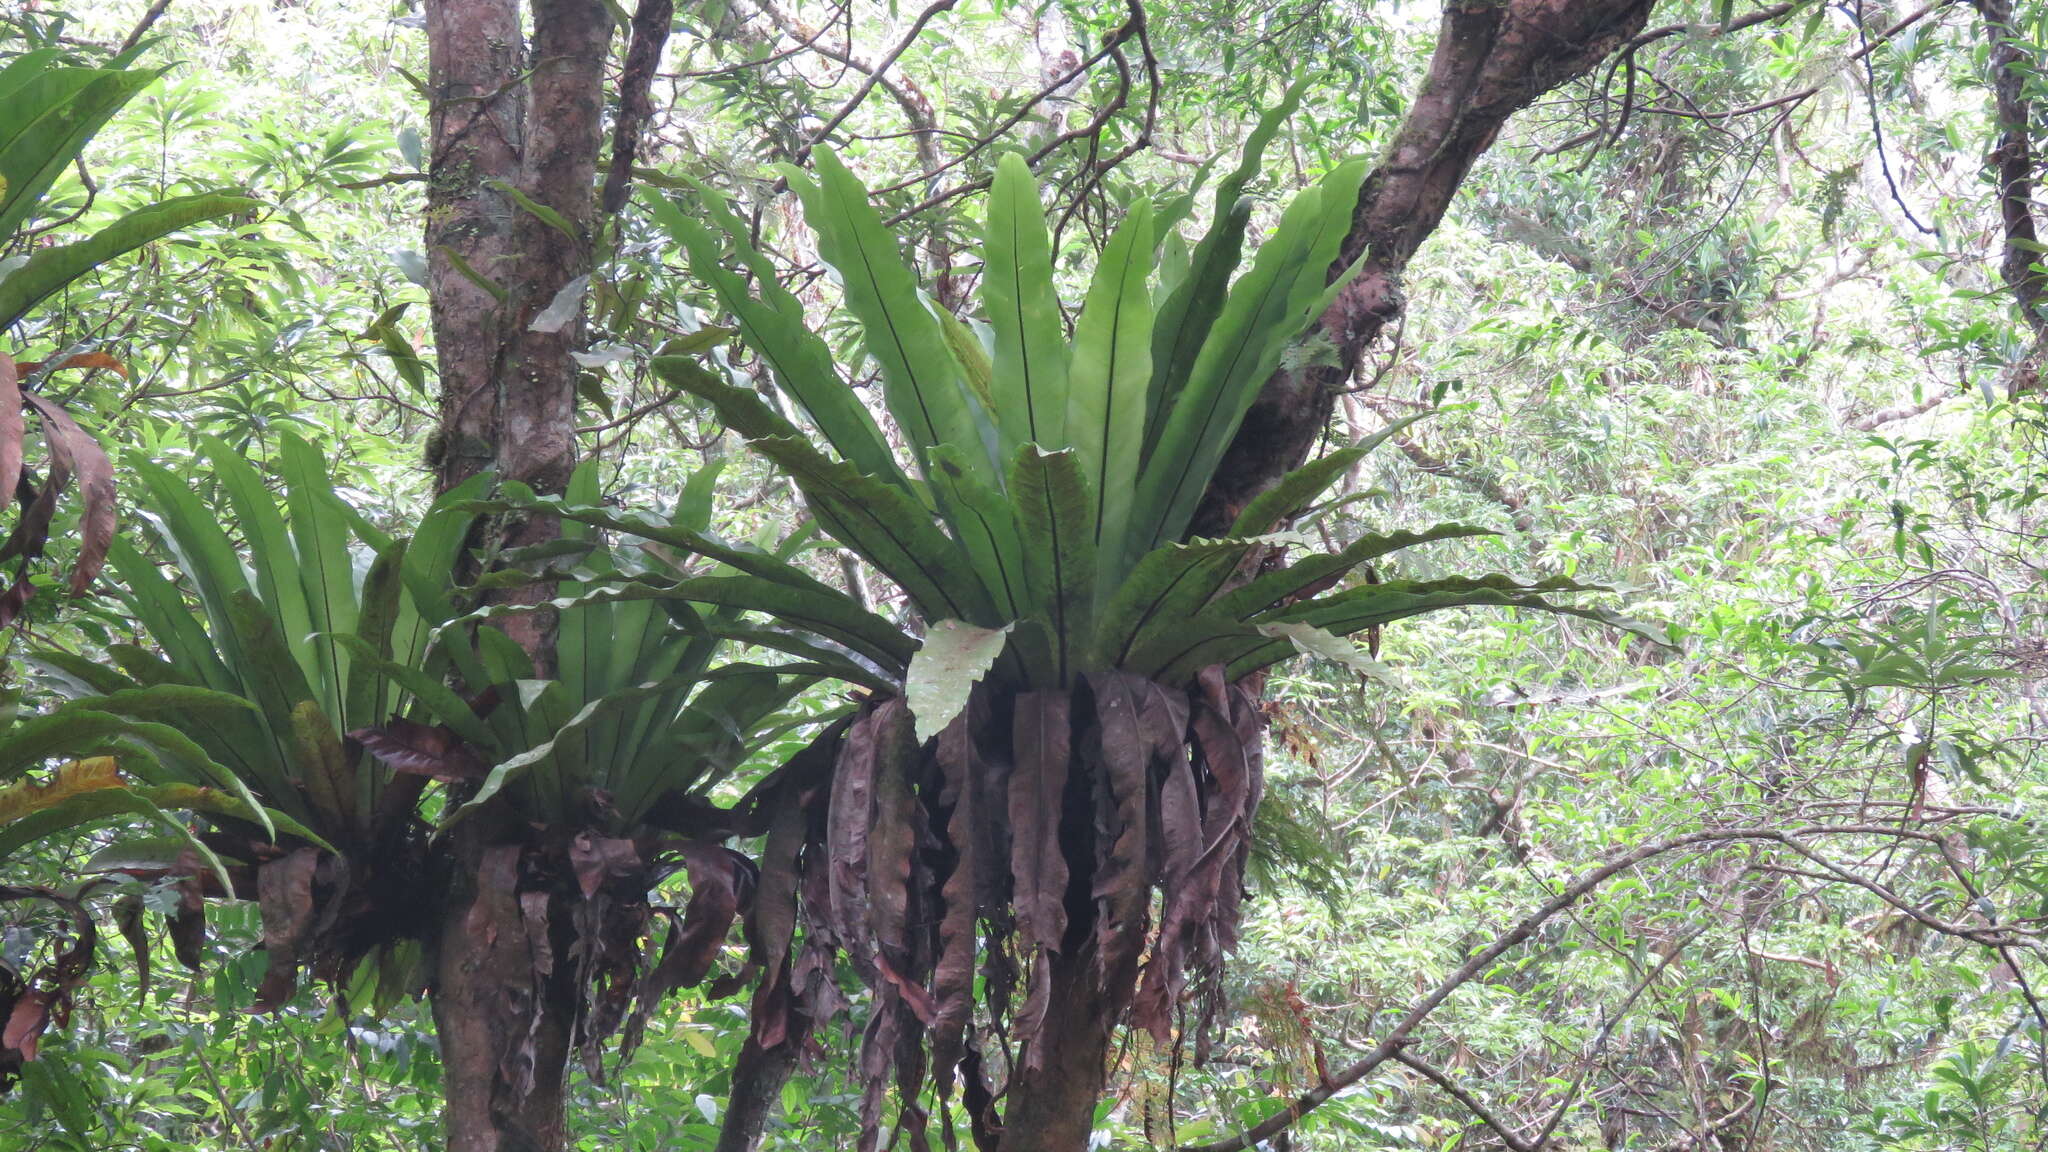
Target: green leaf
{"x": 1312, "y": 641}
{"x": 954, "y": 657}
{"x": 366, "y": 699}
{"x": 889, "y": 528}
{"x": 921, "y": 381}
{"x": 549, "y": 753}
{"x": 441, "y": 702}
{"x": 77, "y": 675}
{"x": 271, "y": 557}
{"x": 460, "y": 264}
{"x": 1030, "y": 379}
{"x": 161, "y": 610}
{"x": 1216, "y": 638}
{"x": 1165, "y": 587}
{"x": 986, "y": 526}
{"x": 91, "y": 807}
{"x": 320, "y": 529}
{"x": 52, "y": 114}
{"x": 774, "y": 327}
{"x": 541, "y": 212}
{"x": 823, "y": 609}
{"x": 169, "y": 702}
{"x": 50, "y": 269}
{"x": 1109, "y": 381}
{"x": 1053, "y": 522}
{"x": 647, "y": 526}
{"x": 1270, "y": 588}
{"x": 1190, "y": 308}
{"x": 1266, "y": 310}
{"x": 192, "y": 533}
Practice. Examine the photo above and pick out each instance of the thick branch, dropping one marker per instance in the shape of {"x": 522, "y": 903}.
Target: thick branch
{"x": 1491, "y": 60}
{"x": 2012, "y": 162}
{"x": 651, "y": 21}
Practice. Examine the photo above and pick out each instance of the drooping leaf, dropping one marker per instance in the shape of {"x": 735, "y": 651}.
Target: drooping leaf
{"x": 49, "y": 269}
{"x": 284, "y": 892}
{"x": 75, "y": 453}
{"x": 1038, "y": 783}
{"x": 1313, "y": 641}
{"x": 12, "y": 429}
{"x": 1317, "y": 571}
{"x": 53, "y": 112}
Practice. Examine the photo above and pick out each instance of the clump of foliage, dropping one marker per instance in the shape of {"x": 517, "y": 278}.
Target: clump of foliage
{"x": 53, "y": 111}
{"x": 1018, "y": 832}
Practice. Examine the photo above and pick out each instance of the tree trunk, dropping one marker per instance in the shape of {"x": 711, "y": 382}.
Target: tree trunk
{"x": 508, "y": 120}
{"x": 515, "y": 138}
{"x": 504, "y": 1010}
{"x": 1051, "y": 1107}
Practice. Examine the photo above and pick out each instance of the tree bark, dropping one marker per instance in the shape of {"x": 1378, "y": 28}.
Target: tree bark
{"x": 1492, "y": 59}
{"x": 506, "y": 120}
{"x": 504, "y": 1008}
{"x": 1051, "y": 1106}
{"x": 475, "y": 54}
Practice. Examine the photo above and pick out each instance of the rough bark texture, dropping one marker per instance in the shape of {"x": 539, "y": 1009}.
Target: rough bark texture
{"x": 475, "y": 50}
{"x": 1051, "y": 1107}
{"x": 758, "y": 1076}
{"x": 504, "y": 1010}
{"x": 2012, "y": 163}
{"x": 530, "y": 120}
{"x": 1492, "y": 59}
{"x": 651, "y": 23}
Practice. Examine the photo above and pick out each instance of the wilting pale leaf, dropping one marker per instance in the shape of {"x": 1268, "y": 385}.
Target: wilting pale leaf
{"x": 563, "y": 308}
{"x": 1310, "y": 640}
{"x": 943, "y": 672}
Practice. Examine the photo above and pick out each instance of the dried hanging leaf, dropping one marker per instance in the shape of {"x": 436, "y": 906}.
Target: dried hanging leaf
{"x": 188, "y": 923}
{"x": 848, "y": 818}
{"x": 74, "y": 452}
{"x": 77, "y": 360}
{"x": 128, "y": 919}
{"x": 1201, "y": 904}
{"x": 597, "y": 859}
{"x": 1126, "y": 751}
{"x": 964, "y": 786}
{"x": 13, "y": 429}
{"x": 431, "y": 750}
{"x": 721, "y": 883}
{"x": 1042, "y": 738}
{"x": 1038, "y": 784}
{"x": 28, "y": 1007}
{"x": 284, "y": 893}
{"x": 893, "y": 838}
